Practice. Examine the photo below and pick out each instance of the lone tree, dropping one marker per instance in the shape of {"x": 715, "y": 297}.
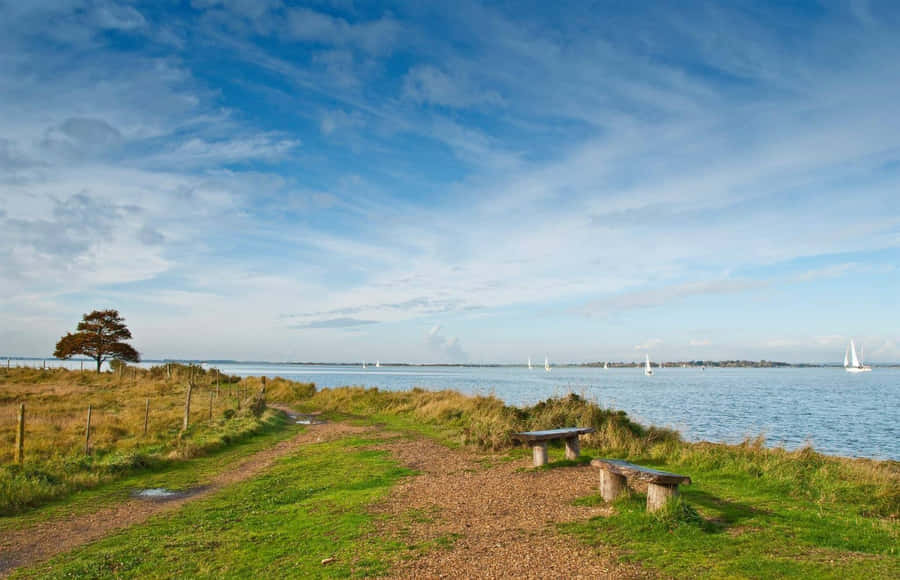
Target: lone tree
{"x": 99, "y": 335}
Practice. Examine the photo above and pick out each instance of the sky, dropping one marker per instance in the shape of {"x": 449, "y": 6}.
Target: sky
{"x": 453, "y": 182}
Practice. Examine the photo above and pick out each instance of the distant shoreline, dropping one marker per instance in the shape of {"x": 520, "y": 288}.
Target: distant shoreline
{"x": 613, "y": 365}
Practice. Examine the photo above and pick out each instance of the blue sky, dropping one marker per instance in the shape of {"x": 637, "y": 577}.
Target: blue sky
{"x": 424, "y": 182}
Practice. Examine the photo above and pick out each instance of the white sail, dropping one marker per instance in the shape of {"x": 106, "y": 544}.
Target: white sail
{"x": 605, "y": 365}
{"x": 647, "y": 370}
{"x": 529, "y": 363}
{"x": 547, "y": 364}
{"x": 364, "y": 364}
{"x": 854, "y": 364}
{"x": 377, "y": 364}
{"x": 853, "y": 360}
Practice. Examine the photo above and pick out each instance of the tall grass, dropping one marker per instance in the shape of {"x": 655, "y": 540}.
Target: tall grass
{"x": 56, "y": 402}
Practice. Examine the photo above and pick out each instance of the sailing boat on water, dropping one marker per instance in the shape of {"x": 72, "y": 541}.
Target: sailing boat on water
{"x": 364, "y": 364}
{"x": 647, "y": 370}
{"x": 605, "y": 366}
{"x": 547, "y": 364}
{"x": 529, "y": 363}
{"x": 377, "y": 364}
{"x": 852, "y": 363}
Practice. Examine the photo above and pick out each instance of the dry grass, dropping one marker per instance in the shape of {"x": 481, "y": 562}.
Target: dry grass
{"x": 56, "y": 403}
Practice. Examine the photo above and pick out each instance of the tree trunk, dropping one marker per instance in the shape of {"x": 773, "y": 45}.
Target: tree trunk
{"x": 99, "y": 362}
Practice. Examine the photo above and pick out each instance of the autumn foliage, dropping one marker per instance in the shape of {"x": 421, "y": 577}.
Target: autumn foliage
{"x": 101, "y": 335}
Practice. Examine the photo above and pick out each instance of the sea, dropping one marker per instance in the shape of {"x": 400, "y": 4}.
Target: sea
{"x": 835, "y": 412}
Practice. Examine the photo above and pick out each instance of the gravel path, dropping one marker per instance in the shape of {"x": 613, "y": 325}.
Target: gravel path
{"x": 502, "y": 518}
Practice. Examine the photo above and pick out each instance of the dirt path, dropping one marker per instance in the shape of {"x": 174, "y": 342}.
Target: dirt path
{"x": 39, "y": 542}
{"x": 502, "y": 518}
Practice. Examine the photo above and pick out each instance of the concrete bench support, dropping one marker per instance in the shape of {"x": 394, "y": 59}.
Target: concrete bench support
{"x": 611, "y": 485}
{"x": 539, "y": 451}
{"x": 573, "y": 448}
{"x": 659, "y": 494}
{"x": 661, "y": 485}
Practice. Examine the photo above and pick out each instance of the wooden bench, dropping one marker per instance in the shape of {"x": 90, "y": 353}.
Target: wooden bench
{"x": 661, "y": 485}
{"x": 538, "y": 441}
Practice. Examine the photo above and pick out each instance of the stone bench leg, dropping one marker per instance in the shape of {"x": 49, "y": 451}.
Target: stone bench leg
{"x": 659, "y": 494}
{"x": 611, "y": 485}
{"x": 573, "y": 449}
{"x": 539, "y": 450}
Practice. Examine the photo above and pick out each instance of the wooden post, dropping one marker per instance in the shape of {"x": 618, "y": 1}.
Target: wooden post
{"x": 44, "y": 364}
{"x": 146, "y": 415}
{"x": 539, "y": 451}
{"x": 168, "y": 372}
{"x": 217, "y": 383}
{"x": 20, "y": 435}
{"x": 82, "y": 366}
{"x": 659, "y": 494}
{"x": 87, "y": 433}
{"x": 187, "y": 407}
{"x": 611, "y": 485}
{"x": 210, "y": 405}
{"x": 573, "y": 448}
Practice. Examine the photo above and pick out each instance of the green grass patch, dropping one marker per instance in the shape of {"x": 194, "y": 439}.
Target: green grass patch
{"x": 310, "y": 506}
{"x": 735, "y": 523}
{"x": 174, "y": 475}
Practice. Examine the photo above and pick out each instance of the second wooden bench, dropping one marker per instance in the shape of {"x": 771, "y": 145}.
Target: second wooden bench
{"x": 538, "y": 441}
{"x": 661, "y": 485}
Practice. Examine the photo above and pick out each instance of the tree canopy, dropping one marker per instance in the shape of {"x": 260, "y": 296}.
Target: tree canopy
{"x": 100, "y": 335}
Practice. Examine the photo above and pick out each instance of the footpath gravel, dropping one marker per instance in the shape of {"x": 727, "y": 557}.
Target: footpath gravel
{"x": 499, "y": 517}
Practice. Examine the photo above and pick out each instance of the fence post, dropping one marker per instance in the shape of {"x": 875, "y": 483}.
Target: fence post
{"x": 187, "y": 406}
{"x": 146, "y": 416}
{"x": 210, "y": 405}
{"x": 217, "y": 383}
{"x": 20, "y": 435}
{"x": 82, "y": 366}
{"x": 87, "y": 433}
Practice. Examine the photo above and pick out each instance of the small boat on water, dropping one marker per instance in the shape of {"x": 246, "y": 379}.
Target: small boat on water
{"x": 852, "y": 363}
{"x": 364, "y": 364}
{"x": 605, "y": 366}
{"x": 377, "y": 364}
{"x": 529, "y": 363}
{"x": 647, "y": 370}
{"x": 547, "y": 364}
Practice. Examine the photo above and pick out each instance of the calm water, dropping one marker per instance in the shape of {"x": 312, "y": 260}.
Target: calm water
{"x": 838, "y": 413}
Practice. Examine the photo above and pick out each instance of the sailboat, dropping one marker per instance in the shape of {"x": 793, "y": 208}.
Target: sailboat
{"x": 364, "y": 364}
{"x": 852, "y": 364}
{"x": 647, "y": 370}
{"x": 605, "y": 366}
{"x": 377, "y": 364}
{"x": 546, "y": 364}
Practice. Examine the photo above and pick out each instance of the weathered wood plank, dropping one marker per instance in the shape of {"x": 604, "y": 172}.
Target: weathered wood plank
{"x": 549, "y": 434}
{"x": 646, "y": 474}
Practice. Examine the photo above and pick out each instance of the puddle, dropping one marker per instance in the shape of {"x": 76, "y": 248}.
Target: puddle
{"x": 310, "y": 419}
{"x": 161, "y": 493}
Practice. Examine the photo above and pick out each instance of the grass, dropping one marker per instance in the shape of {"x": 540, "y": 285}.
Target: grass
{"x": 310, "y": 506}
{"x": 752, "y": 511}
{"x": 173, "y": 475}
{"x": 55, "y": 411}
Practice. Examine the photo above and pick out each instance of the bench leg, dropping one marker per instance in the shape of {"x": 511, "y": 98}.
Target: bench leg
{"x": 539, "y": 450}
{"x": 658, "y": 495}
{"x": 573, "y": 449}
{"x": 611, "y": 485}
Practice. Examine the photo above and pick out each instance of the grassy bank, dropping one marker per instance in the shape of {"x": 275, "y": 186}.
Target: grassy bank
{"x": 753, "y": 511}
{"x": 56, "y": 402}
{"x": 310, "y": 506}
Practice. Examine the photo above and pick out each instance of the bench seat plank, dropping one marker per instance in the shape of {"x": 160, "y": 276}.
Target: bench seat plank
{"x": 549, "y": 434}
{"x": 646, "y": 474}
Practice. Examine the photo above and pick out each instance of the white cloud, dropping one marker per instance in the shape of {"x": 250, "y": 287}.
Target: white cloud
{"x": 648, "y": 344}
